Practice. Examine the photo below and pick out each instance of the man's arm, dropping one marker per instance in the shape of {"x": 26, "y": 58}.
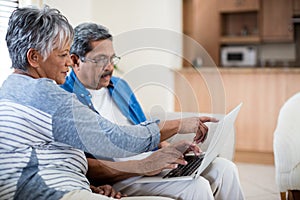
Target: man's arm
{"x": 102, "y": 172}
{"x": 185, "y": 125}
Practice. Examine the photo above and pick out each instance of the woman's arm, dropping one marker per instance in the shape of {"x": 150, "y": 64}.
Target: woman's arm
{"x": 108, "y": 172}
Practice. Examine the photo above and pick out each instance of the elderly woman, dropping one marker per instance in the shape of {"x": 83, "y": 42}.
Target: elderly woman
{"x": 44, "y": 130}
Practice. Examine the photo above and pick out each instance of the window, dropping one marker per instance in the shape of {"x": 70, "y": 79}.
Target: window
{"x": 6, "y": 8}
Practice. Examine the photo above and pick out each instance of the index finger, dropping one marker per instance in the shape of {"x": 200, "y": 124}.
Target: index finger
{"x": 194, "y": 147}
{"x": 208, "y": 119}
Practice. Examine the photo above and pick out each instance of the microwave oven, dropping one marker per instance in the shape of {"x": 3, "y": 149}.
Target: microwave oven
{"x": 238, "y": 56}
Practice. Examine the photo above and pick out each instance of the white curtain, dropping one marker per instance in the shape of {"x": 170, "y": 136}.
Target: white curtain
{"x": 6, "y": 8}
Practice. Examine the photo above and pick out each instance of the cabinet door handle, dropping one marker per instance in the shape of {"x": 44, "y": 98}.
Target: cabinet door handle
{"x": 290, "y": 27}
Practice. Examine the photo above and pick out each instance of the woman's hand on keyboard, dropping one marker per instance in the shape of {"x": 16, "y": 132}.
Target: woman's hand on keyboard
{"x": 167, "y": 158}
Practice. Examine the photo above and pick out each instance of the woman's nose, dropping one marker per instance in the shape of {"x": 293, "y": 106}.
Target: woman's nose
{"x": 69, "y": 61}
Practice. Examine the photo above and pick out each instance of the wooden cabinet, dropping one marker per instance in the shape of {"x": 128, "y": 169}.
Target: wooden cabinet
{"x": 276, "y": 21}
{"x": 262, "y": 91}
{"x": 188, "y": 9}
{"x": 238, "y": 5}
{"x": 296, "y": 7}
{"x": 239, "y": 21}
{"x": 201, "y": 29}
{"x": 240, "y": 28}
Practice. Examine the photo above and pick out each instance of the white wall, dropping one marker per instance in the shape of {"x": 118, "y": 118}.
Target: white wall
{"x": 148, "y": 55}
{"x": 76, "y": 11}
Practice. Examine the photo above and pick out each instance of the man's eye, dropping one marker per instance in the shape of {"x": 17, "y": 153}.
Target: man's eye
{"x": 102, "y": 58}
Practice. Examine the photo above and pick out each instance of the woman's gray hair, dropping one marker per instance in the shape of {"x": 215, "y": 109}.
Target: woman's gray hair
{"x": 43, "y": 29}
{"x": 86, "y": 33}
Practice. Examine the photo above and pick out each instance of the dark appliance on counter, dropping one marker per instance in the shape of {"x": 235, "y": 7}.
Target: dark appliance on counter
{"x": 296, "y": 24}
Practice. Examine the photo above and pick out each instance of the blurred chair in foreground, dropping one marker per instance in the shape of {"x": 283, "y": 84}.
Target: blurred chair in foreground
{"x": 287, "y": 149}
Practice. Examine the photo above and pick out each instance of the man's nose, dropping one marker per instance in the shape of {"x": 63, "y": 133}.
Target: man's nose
{"x": 109, "y": 66}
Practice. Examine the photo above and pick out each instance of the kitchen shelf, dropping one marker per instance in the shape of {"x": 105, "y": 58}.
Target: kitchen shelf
{"x": 240, "y": 40}
{"x": 231, "y": 6}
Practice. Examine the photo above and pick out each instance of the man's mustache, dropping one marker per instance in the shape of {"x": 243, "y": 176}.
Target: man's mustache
{"x": 106, "y": 73}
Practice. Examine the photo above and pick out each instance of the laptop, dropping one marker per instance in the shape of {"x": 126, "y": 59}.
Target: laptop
{"x": 224, "y": 126}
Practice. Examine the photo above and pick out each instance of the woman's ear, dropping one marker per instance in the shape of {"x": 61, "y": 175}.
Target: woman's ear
{"x": 75, "y": 59}
{"x": 33, "y": 57}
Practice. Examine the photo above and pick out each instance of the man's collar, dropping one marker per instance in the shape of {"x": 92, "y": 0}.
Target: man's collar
{"x": 111, "y": 84}
{"x": 78, "y": 84}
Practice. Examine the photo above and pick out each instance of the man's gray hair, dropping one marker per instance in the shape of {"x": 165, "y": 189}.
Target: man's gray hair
{"x": 86, "y": 33}
{"x": 43, "y": 29}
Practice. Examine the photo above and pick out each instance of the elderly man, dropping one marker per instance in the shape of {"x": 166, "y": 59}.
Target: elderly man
{"x": 92, "y": 81}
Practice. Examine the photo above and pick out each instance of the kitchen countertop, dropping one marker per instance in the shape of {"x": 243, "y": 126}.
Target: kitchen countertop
{"x": 242, "y": 69}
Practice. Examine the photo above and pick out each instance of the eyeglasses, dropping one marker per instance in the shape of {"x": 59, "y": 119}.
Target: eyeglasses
{"x": 103, "y": 60}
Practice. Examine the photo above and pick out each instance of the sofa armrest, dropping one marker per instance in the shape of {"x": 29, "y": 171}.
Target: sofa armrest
{"x": 229, "y": 145}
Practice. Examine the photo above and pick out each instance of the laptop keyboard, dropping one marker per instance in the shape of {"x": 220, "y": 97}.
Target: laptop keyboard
{"x": 185, "y": 170}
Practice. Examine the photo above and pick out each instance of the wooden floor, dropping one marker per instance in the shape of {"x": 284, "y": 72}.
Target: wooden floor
{"x": 254, "y": 157}
{"x": 258, "y": 181}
